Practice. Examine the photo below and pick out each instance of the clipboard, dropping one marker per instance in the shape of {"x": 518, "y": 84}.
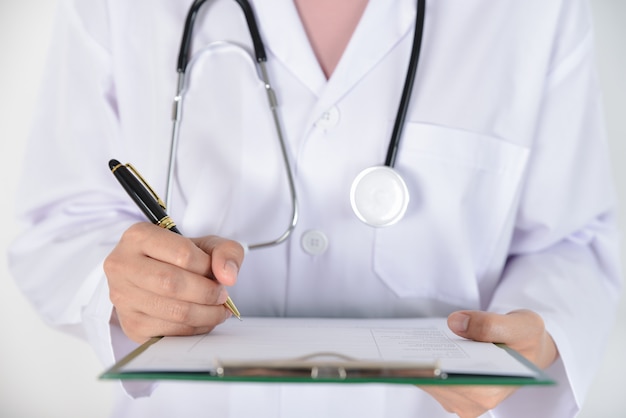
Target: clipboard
{"x": 314, "y": 350}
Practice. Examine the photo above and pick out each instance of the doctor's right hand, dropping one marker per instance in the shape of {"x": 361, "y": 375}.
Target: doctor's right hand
{"x": 162, "y": 283}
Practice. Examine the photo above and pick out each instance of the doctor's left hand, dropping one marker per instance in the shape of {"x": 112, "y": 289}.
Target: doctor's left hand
{"x": 523, "y": 331}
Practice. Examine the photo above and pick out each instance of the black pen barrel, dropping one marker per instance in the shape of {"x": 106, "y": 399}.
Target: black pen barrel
{"x": 142, "y": 196}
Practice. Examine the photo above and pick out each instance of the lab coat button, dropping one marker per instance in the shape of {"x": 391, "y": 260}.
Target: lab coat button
{"x": 329, "y": 118}
{"x": 314, "y": 242}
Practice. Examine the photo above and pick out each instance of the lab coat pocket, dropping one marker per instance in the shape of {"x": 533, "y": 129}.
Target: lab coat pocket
{"x": 463, "y": 188}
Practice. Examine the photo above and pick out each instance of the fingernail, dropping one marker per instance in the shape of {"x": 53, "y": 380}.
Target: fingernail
{"x": 459, "y": 322}
{"x": 231, "y": 268}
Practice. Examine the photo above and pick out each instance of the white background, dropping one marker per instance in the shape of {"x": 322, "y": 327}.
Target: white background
{"x": 44, "y": 373}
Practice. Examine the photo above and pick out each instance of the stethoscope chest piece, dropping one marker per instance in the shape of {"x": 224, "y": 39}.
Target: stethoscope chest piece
{"x": 379, "y": 196}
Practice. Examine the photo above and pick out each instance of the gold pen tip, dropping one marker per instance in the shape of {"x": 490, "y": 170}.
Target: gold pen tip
{"x": 231, "y": 307}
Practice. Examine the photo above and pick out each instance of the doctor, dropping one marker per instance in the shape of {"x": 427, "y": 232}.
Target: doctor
{"x": 509, "y": 228}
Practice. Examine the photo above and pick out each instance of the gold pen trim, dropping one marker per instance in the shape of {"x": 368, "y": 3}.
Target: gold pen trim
{"x": 116, "y": 167}
{"x": 166, "y": 223}
{"x": 145, "y": 183}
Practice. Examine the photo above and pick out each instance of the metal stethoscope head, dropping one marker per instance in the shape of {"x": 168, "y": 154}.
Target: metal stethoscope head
{"x": 379, "y": 196}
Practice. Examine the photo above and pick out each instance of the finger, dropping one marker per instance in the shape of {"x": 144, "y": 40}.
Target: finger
{"x": 168, "y": 247}
{"x": 513, "y": 329}
{"x": 139, "y": 301}
{"x": 175, "y": 283}
{"x": 226, "y": 257}
{"x": 140, "y": 327}
{"x": 127, "y": 266}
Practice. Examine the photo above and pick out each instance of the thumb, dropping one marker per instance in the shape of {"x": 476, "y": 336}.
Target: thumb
{"x": 522, "y": 330}
{"x": 512, "y": 328}
{"x": 226, "y": 257}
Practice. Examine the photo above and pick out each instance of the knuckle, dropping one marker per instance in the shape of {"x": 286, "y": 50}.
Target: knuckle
{"x": 167, "y": 284}
{"x": 182, "y": 256}
{"x": 116, "y": 297}
{"x": 112, "y": 265}
{"x": 130, "y": 323}
{"x": 212, "y": 293}
{"x": 133, "y": 233}
{"x": 179, "y": 312}
{"x": 108, "y": 265}
{"x": 233, "y": 247}
{"x": 116, "y": 260}
{"x": 132, "y": 327}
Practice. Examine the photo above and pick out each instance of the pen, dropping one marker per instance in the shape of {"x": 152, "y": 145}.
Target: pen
{"x": 150, "y": 204}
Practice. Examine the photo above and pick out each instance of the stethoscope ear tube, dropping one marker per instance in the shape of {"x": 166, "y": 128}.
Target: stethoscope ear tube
{"x": 185, "y": 46}
{"x": 261, "y": 58}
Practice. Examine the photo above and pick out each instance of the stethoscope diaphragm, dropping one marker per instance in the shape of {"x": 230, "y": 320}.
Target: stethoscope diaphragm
{"x": 379, "y": 196}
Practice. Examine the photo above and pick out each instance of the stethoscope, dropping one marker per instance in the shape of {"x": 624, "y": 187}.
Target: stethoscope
{"x": 379, "y": 195}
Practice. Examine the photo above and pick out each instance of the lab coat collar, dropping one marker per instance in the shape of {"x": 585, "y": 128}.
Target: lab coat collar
{"x": 382, "y": 26}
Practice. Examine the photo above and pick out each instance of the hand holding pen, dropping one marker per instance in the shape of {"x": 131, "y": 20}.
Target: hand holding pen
{"x": 158, "y": 280}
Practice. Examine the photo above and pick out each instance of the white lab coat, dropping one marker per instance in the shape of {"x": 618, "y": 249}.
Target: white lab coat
{"x": 503, "y": 152}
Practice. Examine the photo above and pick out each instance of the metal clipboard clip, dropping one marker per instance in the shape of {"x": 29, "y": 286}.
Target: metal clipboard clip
{"x": 328, "y": 366}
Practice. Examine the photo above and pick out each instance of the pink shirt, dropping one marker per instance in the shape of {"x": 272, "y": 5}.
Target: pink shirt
{"x": 329, "y": 24}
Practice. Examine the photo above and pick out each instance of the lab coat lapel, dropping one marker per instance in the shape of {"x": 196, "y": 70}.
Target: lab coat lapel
{"x": 286, "y": 41}
{"x": 382, "y": 26}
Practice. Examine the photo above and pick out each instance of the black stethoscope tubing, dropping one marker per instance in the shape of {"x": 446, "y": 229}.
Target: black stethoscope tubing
{"x": 416, "y": 49}
{"x": 253, "y": 28}
{"x": 365, "y": 194}
{"x": 261, "y": 56}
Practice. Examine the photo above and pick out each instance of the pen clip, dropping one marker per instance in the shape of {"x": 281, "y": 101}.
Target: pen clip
{"x": 146, "y": 185}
